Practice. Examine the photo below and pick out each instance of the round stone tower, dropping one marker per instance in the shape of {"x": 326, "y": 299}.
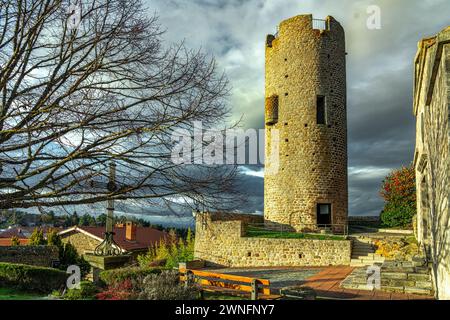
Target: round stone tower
{"x": 306, "y": 125}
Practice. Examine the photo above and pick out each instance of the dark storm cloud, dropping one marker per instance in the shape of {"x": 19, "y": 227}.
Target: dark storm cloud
{"x": 381, "y": 127}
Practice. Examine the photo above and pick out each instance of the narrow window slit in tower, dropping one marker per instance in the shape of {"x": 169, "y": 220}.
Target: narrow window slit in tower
{"x": 321, "y": 110}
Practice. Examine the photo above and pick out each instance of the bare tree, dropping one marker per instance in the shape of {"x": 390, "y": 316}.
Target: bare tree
{"x": 76, "y": 96}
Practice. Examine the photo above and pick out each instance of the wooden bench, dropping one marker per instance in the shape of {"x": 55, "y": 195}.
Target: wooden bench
{"x": 257, "y": 289}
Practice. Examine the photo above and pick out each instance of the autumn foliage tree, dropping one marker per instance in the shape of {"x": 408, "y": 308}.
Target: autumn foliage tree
{"x": 399, "y": 193}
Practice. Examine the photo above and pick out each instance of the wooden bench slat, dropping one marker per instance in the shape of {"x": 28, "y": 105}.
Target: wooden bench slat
{"x": 234, "y": 286}
{"x": 224, "y": 282}
{"x": 223, "y": 276}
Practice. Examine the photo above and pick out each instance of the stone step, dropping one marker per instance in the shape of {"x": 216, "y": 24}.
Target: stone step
{"x": 357, "y": 264}
{"x": 363, "y": 245}
{"x": 422, "y": 270}
{"x": 398, "y": 269}
{"x": 419, "y": 277}
{"x": 401, "y": 286}
{"x": 362, "y": 253}
{"x": 368, "y": 257}
{"x": 362, "y": 263}
{"x": 363, "y": 248}
{"x": 414, "y": 290}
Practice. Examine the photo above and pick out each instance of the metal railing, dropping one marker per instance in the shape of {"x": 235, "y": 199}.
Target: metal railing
{"x": 319, "y": 24}
{"x": 282, "y": 229}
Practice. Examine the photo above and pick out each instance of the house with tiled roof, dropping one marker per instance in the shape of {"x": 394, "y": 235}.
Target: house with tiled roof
{"x": 22, "y": 233}
{"x": 129, "y": 238}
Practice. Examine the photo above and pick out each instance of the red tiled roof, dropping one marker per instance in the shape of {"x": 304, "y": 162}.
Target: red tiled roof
{"x": 24, "y": 232}
{"x": 4, "y": 242}
{"x": 145, "y": 237}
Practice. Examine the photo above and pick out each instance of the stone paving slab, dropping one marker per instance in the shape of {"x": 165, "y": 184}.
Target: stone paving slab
{"x": 327, "y": 284}
{"x": 324, "y": 280}
{"x": 278, "y": 277}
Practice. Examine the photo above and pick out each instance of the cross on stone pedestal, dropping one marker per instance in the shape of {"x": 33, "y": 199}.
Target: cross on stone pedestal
{"x": 108, "y": 247}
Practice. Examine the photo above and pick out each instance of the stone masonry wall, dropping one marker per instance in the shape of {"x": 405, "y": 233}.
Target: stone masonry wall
{"x": 32, "y": 255}
{"x": 223, "y": 243}
{"x": 432, "y": 157}
{"x": 301, "y": 64}
{"x": 82, "y": 243}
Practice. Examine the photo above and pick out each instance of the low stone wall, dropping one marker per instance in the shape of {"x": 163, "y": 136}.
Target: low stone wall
{"x": 43, "y": 256}
{"x": 222, "y": 242}
{"x": 355, "y": 219}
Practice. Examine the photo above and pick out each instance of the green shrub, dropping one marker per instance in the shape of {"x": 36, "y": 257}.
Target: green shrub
{"x": 37, "y": 238}
{"x": 87, "y": 291}
{"x": 171, "y": 251}
{"x": 68, "y": 256}
{"x": 15, "y": 241}
{"x": 115, "y": 276}
{"x": 397, "y": 215}
{"x": 167, "y": 286}
{"x": 31, "y": 278}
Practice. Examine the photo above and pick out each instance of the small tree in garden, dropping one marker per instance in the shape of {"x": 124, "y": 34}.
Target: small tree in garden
{"x": 170, "y": 251}
{"x": 53, "y": 239}
{"x": 37, "y": 238}
{"x": 399, "y": 193}
{"x": 15, "y": 241}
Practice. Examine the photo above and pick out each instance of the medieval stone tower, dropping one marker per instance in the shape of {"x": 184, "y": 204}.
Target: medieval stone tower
{"x": 306, "y": 104}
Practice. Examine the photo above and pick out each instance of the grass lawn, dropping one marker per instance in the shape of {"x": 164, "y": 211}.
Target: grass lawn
{"x": 13, "y": 294}
{"x": 253, "y": 232}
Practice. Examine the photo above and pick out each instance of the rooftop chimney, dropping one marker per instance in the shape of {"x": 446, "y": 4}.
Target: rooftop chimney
{"x": 130, "y": 233}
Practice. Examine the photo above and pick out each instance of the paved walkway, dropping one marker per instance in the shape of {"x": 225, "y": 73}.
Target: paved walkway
{"x": 279, "y": 277}
{"x": 324, "y": 280}
{"x": 326, "y": 284}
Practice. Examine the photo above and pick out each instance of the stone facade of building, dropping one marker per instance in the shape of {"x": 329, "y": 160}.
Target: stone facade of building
{"x": 82, "y": 242}
{"x": 432, "y": 160}
{"x": 306, "y": 180}
{"x": 220, "y": 240}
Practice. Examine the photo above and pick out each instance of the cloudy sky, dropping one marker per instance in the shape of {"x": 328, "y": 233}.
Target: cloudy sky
{"x": 379, "y": 72}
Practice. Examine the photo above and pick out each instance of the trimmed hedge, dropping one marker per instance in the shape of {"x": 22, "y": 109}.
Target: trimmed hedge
{"x": 115, "y": 276}
{"x": 31, "y": 278}
{"x": 87, "y": 291}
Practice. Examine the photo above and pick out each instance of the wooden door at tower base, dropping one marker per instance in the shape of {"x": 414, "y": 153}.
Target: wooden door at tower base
{"x": 323, "y": 213}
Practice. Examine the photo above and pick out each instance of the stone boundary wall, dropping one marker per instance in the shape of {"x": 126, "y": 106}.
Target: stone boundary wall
{"x": 363, "y": 219}
{"x": 42, "y": 256}
{"x": 223, "y": 243}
